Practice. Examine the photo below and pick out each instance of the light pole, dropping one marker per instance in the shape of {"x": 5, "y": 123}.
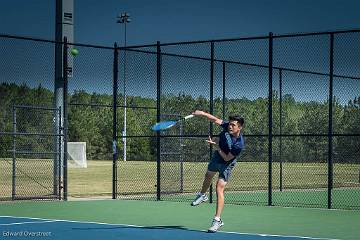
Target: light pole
{"x": 124, "y": 18}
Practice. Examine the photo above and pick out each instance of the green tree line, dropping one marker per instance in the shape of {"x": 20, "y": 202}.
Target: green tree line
{"x": 92, "y": 122}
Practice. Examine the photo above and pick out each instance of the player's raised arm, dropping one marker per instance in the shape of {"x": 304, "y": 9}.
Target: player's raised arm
{"x": 208, "y": 116}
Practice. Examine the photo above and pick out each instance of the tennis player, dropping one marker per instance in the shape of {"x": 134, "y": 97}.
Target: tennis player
{"x": 227, "y": 147}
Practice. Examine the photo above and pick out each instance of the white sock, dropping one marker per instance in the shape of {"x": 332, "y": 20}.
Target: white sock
{"x": 217, "y": 218}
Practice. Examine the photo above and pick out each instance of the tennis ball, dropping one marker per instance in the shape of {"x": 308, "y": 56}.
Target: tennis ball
{"x": 74, "y": 52}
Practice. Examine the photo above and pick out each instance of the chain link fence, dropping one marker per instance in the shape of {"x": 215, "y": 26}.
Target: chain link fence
{"x": 298, "y": 94}
{"x": 29, "y": 135}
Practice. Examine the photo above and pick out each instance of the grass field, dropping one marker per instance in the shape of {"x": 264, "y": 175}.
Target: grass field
{"x": 249, "y": 180}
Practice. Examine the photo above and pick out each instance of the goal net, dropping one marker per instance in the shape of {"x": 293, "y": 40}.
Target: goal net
{"x": 77, "y": 154}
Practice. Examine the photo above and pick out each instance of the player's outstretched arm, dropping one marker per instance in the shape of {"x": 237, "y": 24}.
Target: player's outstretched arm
{"x": 208, "y": 116}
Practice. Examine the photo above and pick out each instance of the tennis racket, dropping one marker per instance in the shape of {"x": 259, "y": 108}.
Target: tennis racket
{"x": 168, "y": 124}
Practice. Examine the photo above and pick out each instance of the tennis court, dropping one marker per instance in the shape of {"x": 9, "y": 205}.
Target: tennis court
{"x": 62, "y": 229}
{"x": 125, "y": 219}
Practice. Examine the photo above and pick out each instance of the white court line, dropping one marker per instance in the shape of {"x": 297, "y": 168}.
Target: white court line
{"x": 44, "y": 220}
{"x": 20, "y": 223}
{"x": 274, "y": 235}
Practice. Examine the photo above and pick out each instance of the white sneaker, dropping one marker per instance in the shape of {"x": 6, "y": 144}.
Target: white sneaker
{"x": 215, "y": 225}
{"x": 200, "y": 198}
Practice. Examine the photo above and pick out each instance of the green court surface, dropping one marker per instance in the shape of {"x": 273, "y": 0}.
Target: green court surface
{"x": 302, "y": 197}
{"x": 305, "y": 222}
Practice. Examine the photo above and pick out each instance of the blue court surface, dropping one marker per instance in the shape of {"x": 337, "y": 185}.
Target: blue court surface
{"x": 36, "y": 228}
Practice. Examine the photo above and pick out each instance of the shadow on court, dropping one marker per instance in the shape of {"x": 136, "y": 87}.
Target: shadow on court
{"x": 148, "y": 227}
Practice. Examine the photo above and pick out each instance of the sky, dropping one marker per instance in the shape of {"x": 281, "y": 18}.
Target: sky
{"x": 191, "y": 20}
{"x": 173, "y": 21}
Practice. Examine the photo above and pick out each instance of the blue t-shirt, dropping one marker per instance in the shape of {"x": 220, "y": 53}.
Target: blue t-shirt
{"x": 228, "y": 143}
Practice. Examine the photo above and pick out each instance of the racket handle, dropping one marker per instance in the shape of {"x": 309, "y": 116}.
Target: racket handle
{"x": 189, "y": 116}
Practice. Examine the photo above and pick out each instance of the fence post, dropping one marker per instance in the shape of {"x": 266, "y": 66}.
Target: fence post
{"x": 158, "y": 115}
{"x": 281, "y": 125}
{"x": 65, "y": 113}
{"x": 211, "y": 126}
{"x": 115, "y": 93}
{"x": 270, "y": 118}
{"x": 59, "y": 143}
{"x": 14, "y": 154}
{"x": 223, "y": 89}
{"x": 330, "y": 130}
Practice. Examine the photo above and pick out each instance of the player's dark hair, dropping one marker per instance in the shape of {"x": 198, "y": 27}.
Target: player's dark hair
{"x": 237, "y": 118}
